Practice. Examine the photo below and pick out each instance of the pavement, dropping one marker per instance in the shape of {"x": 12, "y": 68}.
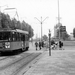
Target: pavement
{"x": 61, "y": 62}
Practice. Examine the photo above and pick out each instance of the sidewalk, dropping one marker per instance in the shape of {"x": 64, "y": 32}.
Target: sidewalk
{"x": 61, "y": 62}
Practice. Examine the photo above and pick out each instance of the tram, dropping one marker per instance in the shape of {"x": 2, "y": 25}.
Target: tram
{"x": 11, "y": 40}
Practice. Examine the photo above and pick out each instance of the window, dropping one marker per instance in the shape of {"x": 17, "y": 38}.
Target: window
{"x": 18, "y": 37}
{"x": 26, "y": 37}
{"x": 5, "y": 36}
{"x": 22, "y": 37}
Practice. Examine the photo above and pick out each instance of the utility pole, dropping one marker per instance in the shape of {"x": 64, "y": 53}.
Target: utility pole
{"x": 49, "y": 42}
{"x": 41, "y": 28}
{"x": 59, "y": 19}
{"x": 58, "y": 13}
{"x": 41, "y": 22}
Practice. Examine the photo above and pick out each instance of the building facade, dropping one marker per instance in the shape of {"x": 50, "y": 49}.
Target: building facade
{"x": 56, "y": 28}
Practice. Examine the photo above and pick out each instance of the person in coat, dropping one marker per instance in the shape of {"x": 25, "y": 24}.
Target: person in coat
{"x": 36, "y": 45}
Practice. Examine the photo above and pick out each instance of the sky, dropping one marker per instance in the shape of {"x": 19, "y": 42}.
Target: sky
{"x": 29, "y": 9}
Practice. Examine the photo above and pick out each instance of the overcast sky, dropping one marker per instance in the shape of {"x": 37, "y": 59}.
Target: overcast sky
{"x": 28, "y": 9}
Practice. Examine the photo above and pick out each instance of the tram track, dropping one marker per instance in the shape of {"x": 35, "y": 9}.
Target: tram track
{"x": 16, "y": 67}
{"x": 19, "y": 64}
{"x": 25, "y": 64}
{"x": 24, "y": 68}
{"x": 10, "y": 64}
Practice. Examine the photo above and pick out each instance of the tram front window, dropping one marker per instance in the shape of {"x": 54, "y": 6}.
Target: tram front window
{"x": 5, "y": 36}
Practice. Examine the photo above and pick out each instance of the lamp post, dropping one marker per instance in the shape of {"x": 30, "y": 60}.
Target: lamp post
{"x": 59, "y": 21}
{"x": 49, "y": 42}
{"x": 41, "y": 22}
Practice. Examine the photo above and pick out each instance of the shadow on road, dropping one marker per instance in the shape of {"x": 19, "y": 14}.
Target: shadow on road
{"x": 10, "y": 53}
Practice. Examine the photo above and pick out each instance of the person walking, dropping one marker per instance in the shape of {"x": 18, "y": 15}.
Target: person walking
{"x": 60, "y": 45}
{"x": 40, "y": 45}
{"x": 52, "y": 44}
{"x": 36, "y": 45}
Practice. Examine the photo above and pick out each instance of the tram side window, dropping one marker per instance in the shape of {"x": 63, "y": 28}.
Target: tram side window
{"x": 26, "y": 37}
{"x": 18, "y": 36}
{"x": 14, "y": 36}
{"x": 9, "y": 36}
{"x": 22, "y": 37}
{"x": 5, "y": 36}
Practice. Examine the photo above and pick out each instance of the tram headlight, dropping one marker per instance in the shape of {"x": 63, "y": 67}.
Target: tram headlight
{"x": 7, "y": 44}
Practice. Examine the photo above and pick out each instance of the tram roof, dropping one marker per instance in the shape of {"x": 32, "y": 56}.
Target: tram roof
{"x": 21, "y": 31}
{"x": 16, "y": 30}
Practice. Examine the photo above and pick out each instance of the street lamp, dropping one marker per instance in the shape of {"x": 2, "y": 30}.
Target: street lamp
{"x": 49, "y": 42}
{"x": 41, "y": 22}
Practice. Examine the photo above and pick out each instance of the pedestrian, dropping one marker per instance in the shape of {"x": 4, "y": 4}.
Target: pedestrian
{"x": 56, "y": 45}
{"x": 36, "y": 45}
{"x": 52, "y": 44}
{"x": 60, "y": 45}
{"x": 40, "y": 45}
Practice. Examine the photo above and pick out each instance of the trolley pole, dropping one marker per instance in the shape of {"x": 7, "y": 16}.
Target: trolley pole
{"x": 15, "y": 14}
{"x": 49, "y": 43}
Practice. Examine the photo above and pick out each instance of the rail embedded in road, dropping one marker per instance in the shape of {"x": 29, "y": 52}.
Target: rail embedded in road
{"x": 17, "y": 65}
